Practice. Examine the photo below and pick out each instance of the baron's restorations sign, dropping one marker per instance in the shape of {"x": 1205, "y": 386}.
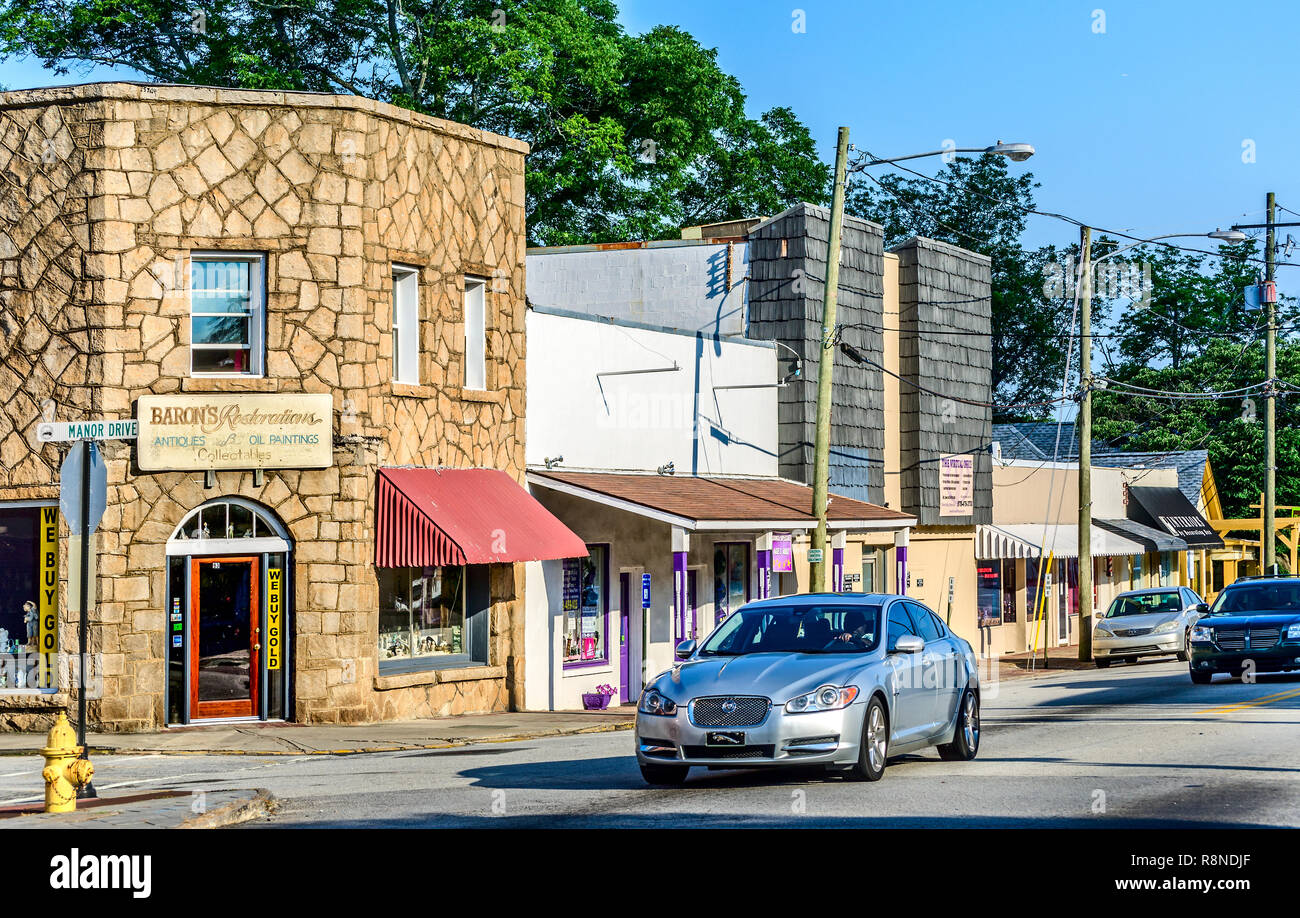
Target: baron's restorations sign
{"x": 241, "y": 431}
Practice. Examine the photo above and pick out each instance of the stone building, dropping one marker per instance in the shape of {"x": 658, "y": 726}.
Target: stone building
{"x": 313, "y": 305}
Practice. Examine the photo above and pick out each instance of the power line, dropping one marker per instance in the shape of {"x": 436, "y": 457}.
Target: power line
{"x": 1068, "y": 219}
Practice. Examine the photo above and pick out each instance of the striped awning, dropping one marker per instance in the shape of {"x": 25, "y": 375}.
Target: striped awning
{"x": 435, "y": 517}
{"x": 1030, "y": 540}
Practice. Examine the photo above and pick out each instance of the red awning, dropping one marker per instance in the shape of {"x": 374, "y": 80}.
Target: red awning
{"x": 463, "y": 516}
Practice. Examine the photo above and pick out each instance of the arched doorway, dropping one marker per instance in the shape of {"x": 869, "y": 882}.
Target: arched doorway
{"x": 228, "y": 609}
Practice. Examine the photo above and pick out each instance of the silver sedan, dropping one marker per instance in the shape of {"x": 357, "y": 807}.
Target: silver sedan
{"x": 840, "y": 680}
{"x": 1146, "y": 623}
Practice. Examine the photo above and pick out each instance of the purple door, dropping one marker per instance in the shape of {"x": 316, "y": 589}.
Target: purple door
{"x": 624, "y": 634}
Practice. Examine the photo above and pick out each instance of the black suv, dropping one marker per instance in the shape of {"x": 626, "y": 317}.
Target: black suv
{"x": 1253, "y": 624}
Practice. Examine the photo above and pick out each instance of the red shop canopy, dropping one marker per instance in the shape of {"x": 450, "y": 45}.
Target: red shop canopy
{"x": 426, "y": 517}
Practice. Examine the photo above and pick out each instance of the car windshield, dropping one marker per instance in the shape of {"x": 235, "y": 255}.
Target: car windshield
{"x": 797, "y": 629}
{"x": 1145, "y": 604}
{"x": 1258, "y": 597}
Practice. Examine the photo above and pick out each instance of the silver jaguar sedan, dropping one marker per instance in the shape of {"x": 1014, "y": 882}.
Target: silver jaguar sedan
{"x": 842, "y": 680}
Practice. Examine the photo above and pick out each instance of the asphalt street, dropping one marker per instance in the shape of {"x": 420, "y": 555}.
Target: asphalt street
{"x": 1134, "y": 745}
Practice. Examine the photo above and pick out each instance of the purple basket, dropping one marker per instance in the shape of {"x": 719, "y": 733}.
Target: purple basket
{"x": 595, "y": 701}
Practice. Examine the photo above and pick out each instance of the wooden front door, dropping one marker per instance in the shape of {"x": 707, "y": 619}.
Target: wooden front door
{"x": 225, "y": 640}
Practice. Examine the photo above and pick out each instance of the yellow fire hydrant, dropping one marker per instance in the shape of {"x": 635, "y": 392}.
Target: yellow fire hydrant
{"x": 64, "y": 770}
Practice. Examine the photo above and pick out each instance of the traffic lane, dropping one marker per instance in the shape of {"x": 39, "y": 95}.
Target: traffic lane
{"x": 1164, "y": 684}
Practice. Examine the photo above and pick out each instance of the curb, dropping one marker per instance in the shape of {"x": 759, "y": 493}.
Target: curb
{"x": 263, "y": 803}
{"x": 452, "y": 743}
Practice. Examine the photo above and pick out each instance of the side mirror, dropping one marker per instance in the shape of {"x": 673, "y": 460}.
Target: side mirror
{"x": 684, "y": 650}
{"x": 909, "y": 643}
{"x": 1202, "y": 608}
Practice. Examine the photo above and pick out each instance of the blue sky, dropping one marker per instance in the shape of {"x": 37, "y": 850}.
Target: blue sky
{"x": 1138, "y": 128}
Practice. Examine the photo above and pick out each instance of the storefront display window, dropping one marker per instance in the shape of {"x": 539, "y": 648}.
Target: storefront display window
{"x": 989, "y": 593}
{"x": 27, "y": 564}
{"x": 586, "y": 607}
{"x": 421, "y": 613}
{"x": 1009, "y": 592}
{"x": 730, "y": 578}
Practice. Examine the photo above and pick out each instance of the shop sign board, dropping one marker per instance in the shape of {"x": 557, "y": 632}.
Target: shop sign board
{"x": 645, "y": 591}
{"x": 274, "y": 616}
{"x": 235, "y": 431}
{"x": 572, "y": 585}
{"x": 782, "y": 553}
{"x": 48, "y": 623}
{"x": 956, "y": 485}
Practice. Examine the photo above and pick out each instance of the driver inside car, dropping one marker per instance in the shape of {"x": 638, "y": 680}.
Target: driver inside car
{"x": 856, "y": 628}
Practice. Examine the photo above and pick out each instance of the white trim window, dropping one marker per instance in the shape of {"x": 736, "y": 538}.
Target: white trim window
{"x": 227, "y": 314}
{"x": 475, "y": 333}
{"x": 406, "y": 325}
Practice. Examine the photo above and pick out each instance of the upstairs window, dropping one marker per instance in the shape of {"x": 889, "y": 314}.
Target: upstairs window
{"x": 475, "y": 333}
{"x": 227, "y": 314}
{"x": 406, "y": 325}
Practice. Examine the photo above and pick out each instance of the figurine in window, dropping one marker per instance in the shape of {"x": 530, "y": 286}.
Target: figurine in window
{"x": 31, "y": 620}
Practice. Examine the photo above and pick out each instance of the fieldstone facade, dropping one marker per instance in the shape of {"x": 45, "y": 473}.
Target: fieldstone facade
{"x": 105, "y": 190}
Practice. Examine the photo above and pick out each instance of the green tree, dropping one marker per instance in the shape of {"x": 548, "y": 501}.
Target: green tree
{"x": 630, "y": 135}
{"x": 979, "y": 205}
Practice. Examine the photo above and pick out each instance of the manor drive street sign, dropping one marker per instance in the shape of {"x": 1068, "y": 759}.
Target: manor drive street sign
{"x": 64, "y": 431}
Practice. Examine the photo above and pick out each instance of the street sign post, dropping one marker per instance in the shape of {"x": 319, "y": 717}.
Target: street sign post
{"x": 83, "y": 498}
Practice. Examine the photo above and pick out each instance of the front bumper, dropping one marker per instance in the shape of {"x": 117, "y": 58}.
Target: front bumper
{"x": 1139, "y": 646}
{"x": 827, "y": 737}
{"x": 1207, "y": 657}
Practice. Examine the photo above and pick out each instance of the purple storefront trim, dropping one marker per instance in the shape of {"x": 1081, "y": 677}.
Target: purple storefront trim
{"x": 679, "y": 595}
{"x": 764, "y": 573}
{"x": 837, "y": 570}
{"x": 900, "y": 553}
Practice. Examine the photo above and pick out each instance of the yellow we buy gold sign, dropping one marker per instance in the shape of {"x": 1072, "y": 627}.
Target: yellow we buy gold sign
{"x": 48, "y": 622}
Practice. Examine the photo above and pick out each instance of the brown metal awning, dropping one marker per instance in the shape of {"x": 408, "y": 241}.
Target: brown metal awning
{"x": 700, "y": 502}
{"x": 434, "y": 517}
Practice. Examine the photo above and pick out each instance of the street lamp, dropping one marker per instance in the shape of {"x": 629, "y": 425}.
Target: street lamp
{"x": 1017, "y": 152}
{"x": 1085, "y": 413}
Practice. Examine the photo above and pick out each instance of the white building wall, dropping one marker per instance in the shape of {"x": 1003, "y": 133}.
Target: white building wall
{"x": 640, "y": 421}
{"x": 698, "y": 286}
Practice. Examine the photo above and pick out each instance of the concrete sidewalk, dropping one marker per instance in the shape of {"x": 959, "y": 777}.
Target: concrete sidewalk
{"x": 166, "y": 809}
{"x": 336, "y": 739}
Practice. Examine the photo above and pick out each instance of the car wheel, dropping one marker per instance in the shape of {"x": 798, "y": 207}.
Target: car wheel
{"x": 1102, "y": 664}
{"x": 664, "y": 774}
{"x": 965, "y": 743}
{"x": 1183, "y": 655}
{"x": 873, "y": 749}
{"x": 1201, "y": 678}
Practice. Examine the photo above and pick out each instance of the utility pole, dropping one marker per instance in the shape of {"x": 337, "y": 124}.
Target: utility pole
{"x": 1085, "y": 443}
{"x": 1268, "y": 543}
{"x": 825, "y": 367}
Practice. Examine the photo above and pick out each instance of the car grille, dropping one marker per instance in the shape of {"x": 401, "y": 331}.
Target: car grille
{"x": 1230, "y": 640}
{"x": 1260, "y": 638}
{"x": 1264, "y": 637}
{"x": 729, "y": 752}
{"x": 1132, "y": 632}
{"x": 744, "y": 711}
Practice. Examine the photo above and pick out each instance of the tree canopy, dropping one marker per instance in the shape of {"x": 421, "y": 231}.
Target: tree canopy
{"x": 632, "y": 136}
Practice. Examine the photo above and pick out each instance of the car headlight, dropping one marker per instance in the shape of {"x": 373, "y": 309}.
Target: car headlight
{"x": 654, "y": 703}
{"x": 1173, "y": 625}
{"x": 1293, "y": 632}
{"x": 826, "y": 698}
{"x": 1202, "y": 634}
{"x": 1100, "y": 631}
